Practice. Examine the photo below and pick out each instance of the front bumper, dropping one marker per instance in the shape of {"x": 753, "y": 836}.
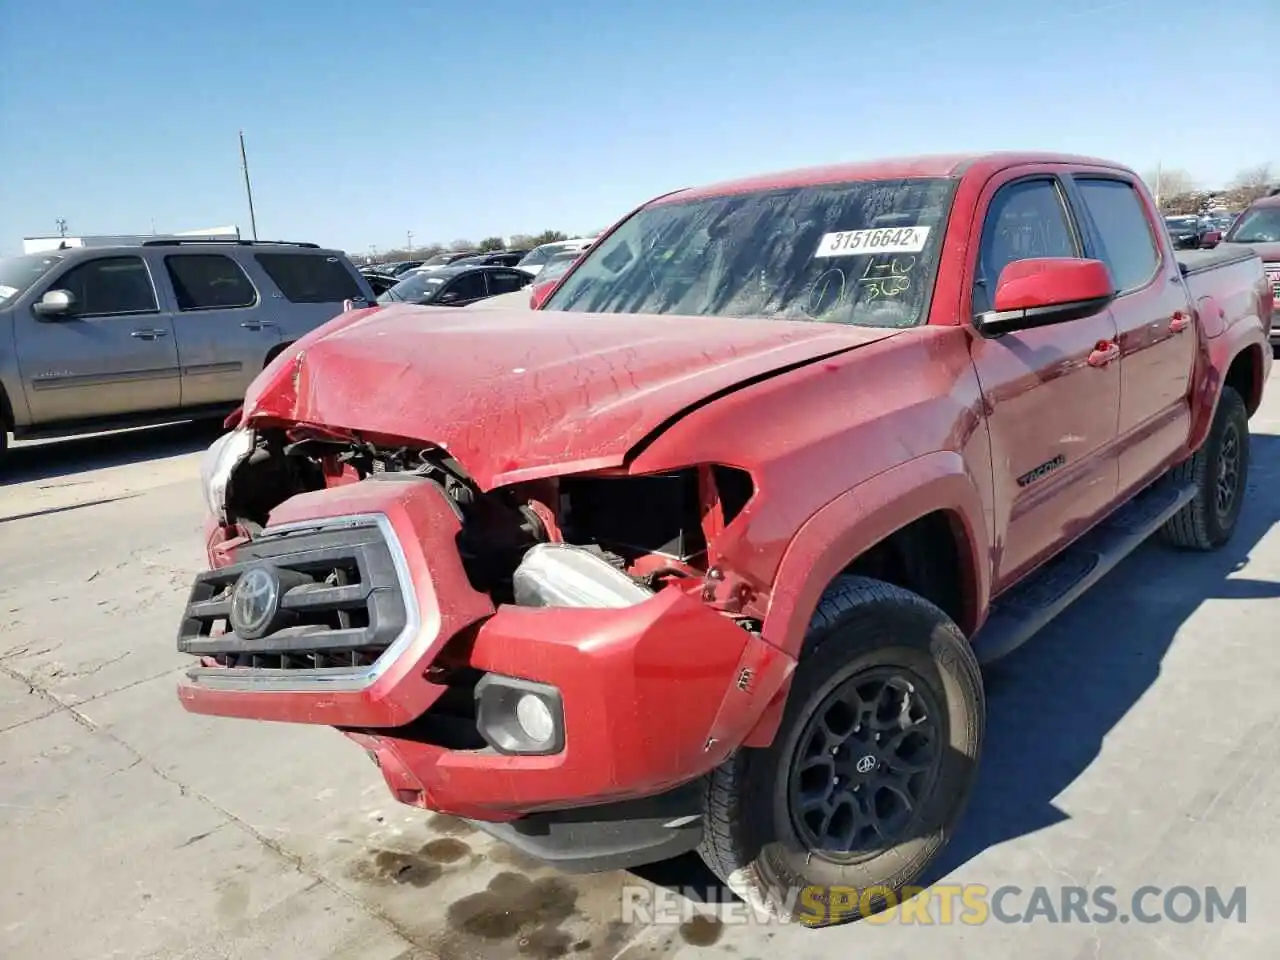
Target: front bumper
{"x": 654, "y": 695}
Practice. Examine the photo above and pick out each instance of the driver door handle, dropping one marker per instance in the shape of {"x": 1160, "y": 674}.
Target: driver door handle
{"x": 1103, "y": 353}
{"x": 257, "y": 324}
{"x": 149, "y": 333}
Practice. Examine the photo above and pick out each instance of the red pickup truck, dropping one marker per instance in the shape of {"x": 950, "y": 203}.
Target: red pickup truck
{"x": 705, "y": 553}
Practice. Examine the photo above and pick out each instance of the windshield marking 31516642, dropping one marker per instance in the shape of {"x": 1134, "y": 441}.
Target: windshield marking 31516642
{"x": 851, "y": 243}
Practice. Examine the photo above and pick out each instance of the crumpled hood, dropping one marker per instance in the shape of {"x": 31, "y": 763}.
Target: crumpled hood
{"x": 516, "y": 395}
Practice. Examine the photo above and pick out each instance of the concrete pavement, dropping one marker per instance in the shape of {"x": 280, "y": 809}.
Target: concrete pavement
{"x": 1134, "y": 742}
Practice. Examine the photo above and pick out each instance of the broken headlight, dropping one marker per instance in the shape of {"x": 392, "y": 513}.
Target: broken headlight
{"x": 220, "y": 460}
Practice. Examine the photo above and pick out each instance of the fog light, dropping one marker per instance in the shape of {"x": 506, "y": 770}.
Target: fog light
{"x": 517, "y": 716}
{"x": 535, "y": 718}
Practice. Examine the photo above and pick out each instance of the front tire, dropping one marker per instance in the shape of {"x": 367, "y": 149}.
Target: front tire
{"x": 1220, "y": 472}
{"x": 871, "y": 768}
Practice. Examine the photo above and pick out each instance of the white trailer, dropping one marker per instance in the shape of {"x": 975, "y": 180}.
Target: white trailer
{"x": 41, "y": 244}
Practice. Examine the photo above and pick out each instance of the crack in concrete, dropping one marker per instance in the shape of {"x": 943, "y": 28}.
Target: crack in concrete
{"x": 296, "y": 861}
{"x": 64, "y": 704}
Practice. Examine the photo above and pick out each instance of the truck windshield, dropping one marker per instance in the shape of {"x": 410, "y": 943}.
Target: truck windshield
{"x": 17, "y": 274}
{"x": 1257, "y": 226}
{"x": 861, "y": 253}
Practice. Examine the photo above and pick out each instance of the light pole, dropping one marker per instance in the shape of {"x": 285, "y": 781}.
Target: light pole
{"x": 248, "y": 189}
{"x": 408, "y": 236}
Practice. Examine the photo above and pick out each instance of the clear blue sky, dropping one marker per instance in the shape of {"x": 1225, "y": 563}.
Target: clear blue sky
{"x": 457, "y": 119}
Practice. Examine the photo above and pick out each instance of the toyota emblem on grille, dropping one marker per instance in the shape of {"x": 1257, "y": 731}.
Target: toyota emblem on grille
{"x": 255, "y": 601}
{"x": 866, "y": 764}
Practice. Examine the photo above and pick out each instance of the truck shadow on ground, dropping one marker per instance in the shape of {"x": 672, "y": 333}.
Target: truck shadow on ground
{"x": 53, "y": 459}
{"x": 1051, "y": 703}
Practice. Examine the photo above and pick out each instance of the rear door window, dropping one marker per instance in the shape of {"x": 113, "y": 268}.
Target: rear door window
{"x": 469, "y": 286}
{"x": 209, "y": 281}
{"x": 501, "y": 281}
{"x": 110, "y": 286}
{"x": 310, "y": 277}
{"x": 1128, "y": 247}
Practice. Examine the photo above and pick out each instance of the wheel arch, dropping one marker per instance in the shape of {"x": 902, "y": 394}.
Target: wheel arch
{"x": 922, "y": 522}
{"x": 1236, "y": 362}
{"x": 1245, "y": 375}
{"x": 6, "y": 410}
{"x": 275, "y": 351}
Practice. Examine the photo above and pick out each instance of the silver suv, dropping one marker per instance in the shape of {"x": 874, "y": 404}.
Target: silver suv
{"x": 93, "y": 338}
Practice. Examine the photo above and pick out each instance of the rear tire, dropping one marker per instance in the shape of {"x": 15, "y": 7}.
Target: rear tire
{"x": 871, "y": 768}
{"x": 1220, "y": 472}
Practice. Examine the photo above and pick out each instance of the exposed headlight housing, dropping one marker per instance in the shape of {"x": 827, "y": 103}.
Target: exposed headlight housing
{"x": 220, "y": 460}
{"x": 563, "y": 575}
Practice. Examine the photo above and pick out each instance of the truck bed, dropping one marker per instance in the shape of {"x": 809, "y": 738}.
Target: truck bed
{"x": 1193, "y": 262}
{"x": 1230, "y": 280}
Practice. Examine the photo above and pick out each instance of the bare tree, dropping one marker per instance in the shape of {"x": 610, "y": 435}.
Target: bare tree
{"x": 1169, "y": 185}
{"x": 1253, "y": 183}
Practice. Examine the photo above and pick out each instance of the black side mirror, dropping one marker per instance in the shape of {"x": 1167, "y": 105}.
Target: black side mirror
{"x": 449, "y": 296}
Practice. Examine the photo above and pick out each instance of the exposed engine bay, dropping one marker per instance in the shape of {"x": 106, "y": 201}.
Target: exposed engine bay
{"x": 649, "y": 528}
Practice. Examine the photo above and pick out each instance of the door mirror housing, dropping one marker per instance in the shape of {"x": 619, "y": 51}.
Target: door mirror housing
{"x": 449, "y": 296}
{"x": 539, "y": 292}
{"x": 1211, "y": 239}
{"x": 55, "y": 304}
{"x": 1046, "y": 290}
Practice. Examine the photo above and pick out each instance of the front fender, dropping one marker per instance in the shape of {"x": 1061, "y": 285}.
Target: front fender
{"x": 860, "y": 518}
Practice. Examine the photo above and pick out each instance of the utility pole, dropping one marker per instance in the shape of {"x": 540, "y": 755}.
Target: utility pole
{"x": 408, "y": 235}
{"x": 1157, "y": 184}
{"x": 248, "y": 189}
{"x": 62, "y": 226}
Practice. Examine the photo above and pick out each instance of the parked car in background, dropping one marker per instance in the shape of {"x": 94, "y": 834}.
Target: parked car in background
{"x": 456, "y": 286}
{"x": 521, "y": 299}
{"x": 559, "y": 264}
{"x": 495, "y": 258}
{"x": 708, "y": 557}
{"x": 444, "y": 259}
{"x": 98, "y": 337}
{"x": 393, "y": 269}
{"x": 1186, "y": 232}
{"x": 537, "y": 257}
{"x": 1258, "y": 228}
{"x": 380, "y": 282}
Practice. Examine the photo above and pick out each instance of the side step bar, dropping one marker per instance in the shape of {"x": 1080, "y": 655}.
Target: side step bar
{"x": 1020, "y": 612}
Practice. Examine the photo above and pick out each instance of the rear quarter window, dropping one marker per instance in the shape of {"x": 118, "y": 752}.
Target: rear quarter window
{"x": 1118, "y": 215}
{"x": 310, "y": 277}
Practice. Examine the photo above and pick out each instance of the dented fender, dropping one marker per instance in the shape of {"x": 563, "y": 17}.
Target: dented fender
{"x": 857, "y": 520}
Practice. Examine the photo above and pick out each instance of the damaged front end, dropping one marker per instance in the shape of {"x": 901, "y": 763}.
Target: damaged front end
{"x": 556, "y": 643}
